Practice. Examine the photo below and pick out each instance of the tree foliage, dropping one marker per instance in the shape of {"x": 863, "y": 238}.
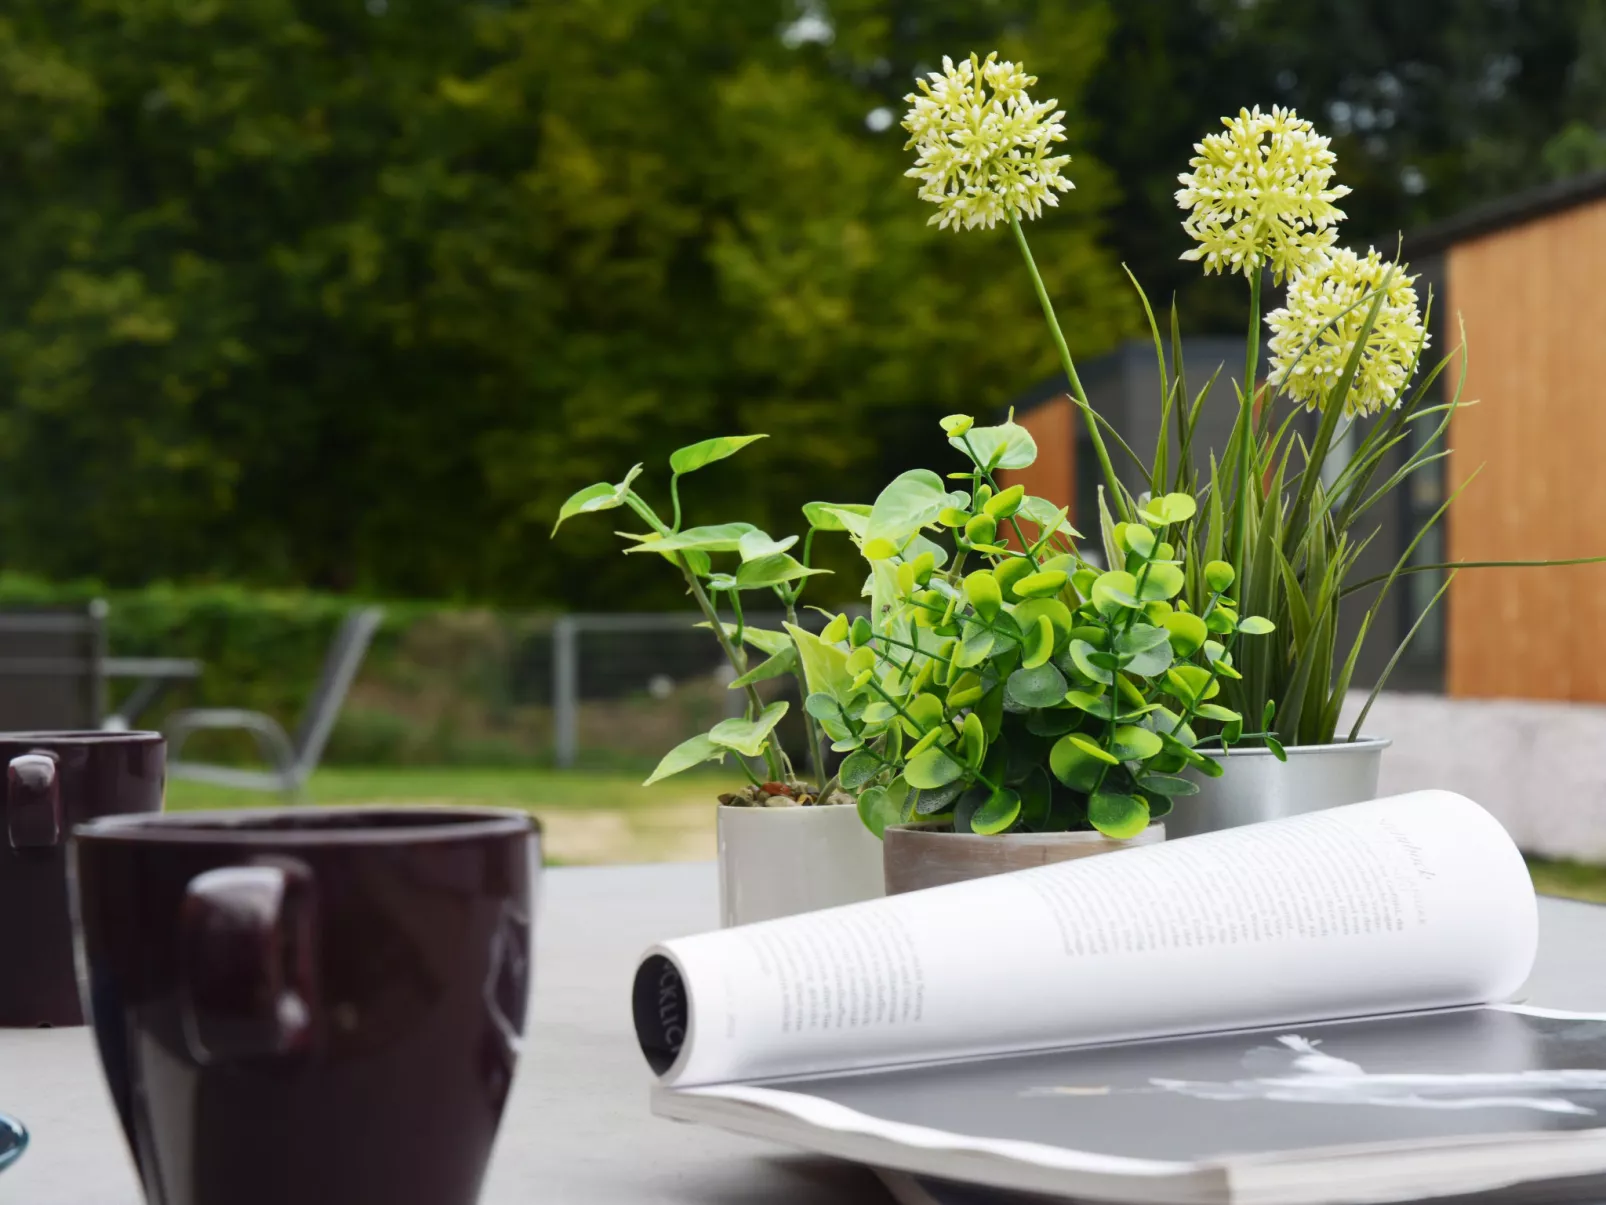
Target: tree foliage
{"x": 313, "y": 292}
{"x": 353, "y": 293}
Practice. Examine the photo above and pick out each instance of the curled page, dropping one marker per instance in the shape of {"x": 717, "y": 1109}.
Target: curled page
{"x": 1414, "y": 902}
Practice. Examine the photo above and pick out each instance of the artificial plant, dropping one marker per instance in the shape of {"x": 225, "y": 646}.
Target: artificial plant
{"x": 1013, "y": 685}
{"x": 719, "y": 563}
{"x": 1289, "y": 515}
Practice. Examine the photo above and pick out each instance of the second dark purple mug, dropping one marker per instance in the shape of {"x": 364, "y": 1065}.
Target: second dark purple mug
{"x": 317, "y": 1006}
{"x": 54, "y": 780}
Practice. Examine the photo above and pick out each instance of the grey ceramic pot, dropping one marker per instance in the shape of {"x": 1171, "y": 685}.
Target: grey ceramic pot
{"x": 1255, "y": 786}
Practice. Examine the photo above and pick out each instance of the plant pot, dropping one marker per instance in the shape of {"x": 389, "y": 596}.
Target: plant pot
{"x": 1255, "y": 786}
{"x": 929, "y": 854}
{"x": 781, "y": 861}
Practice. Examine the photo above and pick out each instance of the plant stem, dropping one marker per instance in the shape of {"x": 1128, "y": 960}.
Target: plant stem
{"x": 810, "y": 725}
{"x": 736, "y": 657}
{"x": 1069, "y": 366}
{"x": 1246, "y": 424}
{"x": 947, "y": 752}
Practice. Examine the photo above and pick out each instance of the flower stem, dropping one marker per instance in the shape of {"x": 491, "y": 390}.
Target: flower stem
{"x": 1070, "y": 367}
{"x": 1246, "y": 424}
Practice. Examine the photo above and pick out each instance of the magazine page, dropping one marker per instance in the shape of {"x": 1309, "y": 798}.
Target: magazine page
{"x": 1418, "y": 901}
{"x": 1464, "y": 1100}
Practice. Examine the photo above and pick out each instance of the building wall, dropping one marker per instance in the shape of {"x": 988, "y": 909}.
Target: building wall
{"x": 1534, "y": 311}
{"x": 1053, "y": 476}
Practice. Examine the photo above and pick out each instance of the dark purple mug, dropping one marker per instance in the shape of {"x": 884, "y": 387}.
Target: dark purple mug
{"x": 53, "y": 781}
{"x": 317, "y": 1006}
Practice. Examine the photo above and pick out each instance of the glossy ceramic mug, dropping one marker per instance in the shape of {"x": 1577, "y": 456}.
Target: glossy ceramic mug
{"x": 54, "y": 780}
{"x": 316, "y": 1006}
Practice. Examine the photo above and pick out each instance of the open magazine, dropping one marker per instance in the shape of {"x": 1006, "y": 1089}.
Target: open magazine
{"x": 1299, "y": 1011}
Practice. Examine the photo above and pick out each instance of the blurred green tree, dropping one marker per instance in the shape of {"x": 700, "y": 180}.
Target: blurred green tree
{"x": 352, "y": 295}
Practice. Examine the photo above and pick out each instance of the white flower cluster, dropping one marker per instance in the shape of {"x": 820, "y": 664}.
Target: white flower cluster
{"x": 984, "y": 158}
{"x": 1314, "y": 334}
{"x": 1259, "y": 193}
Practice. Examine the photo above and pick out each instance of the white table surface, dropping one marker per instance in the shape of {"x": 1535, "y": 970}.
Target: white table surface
{"x": 577, "y": 1130}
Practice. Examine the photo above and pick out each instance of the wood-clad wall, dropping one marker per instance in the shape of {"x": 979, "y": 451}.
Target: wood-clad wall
{"x": 1533, "y": 300}
{"x": 1053, "y": 476}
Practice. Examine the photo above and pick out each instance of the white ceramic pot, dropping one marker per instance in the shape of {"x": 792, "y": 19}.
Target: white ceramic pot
{"x": 1255, "y": 786}
{"x": 781, "y": 861}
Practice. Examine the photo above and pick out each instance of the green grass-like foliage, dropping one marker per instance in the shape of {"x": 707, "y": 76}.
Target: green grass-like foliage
{"x": 1010, "y": 684}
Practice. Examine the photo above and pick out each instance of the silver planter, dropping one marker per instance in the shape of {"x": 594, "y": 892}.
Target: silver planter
{"x": 1255, "y": 786}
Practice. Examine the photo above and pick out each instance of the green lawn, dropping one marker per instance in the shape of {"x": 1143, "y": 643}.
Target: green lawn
{"x": 587, "y": 817}
{"x": 598, "y": 816}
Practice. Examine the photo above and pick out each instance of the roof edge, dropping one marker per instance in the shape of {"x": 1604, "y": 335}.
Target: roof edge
{"x": 1514, "y": 210}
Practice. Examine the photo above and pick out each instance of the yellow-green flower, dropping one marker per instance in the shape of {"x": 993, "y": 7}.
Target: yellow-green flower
{"x": 1261, "y": 192}
{"x": 983, "y": 157}
{"x": 1308, "y": 356}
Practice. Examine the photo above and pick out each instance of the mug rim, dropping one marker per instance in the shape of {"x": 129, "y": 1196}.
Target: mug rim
{"x": 244, "y": 827}
{"x": 81, "y": 736}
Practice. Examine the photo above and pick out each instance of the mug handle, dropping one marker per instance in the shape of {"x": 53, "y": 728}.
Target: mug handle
{"x": 248, "y": 977}
{"x": 33, "y": 802}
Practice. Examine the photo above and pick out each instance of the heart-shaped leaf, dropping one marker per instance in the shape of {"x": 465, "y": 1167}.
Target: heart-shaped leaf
{"x": 718, "y": 537}
{"x": 774, "y": 570}
{"x": 837, "y": 516}
{"x": 694, "y": 456}
{"x": 686, "y": 755}
{"x": 756, "y": 544}
{"x": 910, "y": 501}
{"x": 825, "y": 667}
{"x": 745, "y": 736}
{"x": 1007, "y": 446}
{"x": 784, "y": 662}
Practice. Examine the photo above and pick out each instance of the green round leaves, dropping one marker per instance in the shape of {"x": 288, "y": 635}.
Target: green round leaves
{"x": 1000, "y": 811}
{"x": 1118, "y": 815}
{"x": 1256, "y": 625}
{"x": 1187, "y": 632}
{"x": 1219, "y": 576}
{"x": 1041, "y": 585}
{"x": 984, "y": 594}
{"x": 1006, "y": 502}
{"x": 1170, "y": 508}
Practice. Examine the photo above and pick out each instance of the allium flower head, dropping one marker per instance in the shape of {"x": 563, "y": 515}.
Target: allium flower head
{"x": 1261, "y": 192}
{"x": 983, "y": 157}
{"x": 1316, "y": 297}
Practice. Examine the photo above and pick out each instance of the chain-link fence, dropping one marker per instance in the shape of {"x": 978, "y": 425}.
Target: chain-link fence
{"x": 578, "y": 689}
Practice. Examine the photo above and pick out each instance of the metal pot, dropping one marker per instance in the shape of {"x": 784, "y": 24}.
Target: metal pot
{"x": 1255, "y": 786}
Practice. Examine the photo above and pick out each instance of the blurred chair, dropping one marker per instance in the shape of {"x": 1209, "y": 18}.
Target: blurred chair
{"x": 52, "y": 663}
{"x": 291, "y": 762}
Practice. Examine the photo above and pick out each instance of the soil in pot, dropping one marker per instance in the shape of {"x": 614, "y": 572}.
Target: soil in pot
{"x": 915, "y": 856}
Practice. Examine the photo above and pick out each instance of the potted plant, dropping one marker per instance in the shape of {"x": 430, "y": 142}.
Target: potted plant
{"x": 1280, "y": 518}
{"x": 1011, "y": 704}
{"x": 786, "y": 845}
